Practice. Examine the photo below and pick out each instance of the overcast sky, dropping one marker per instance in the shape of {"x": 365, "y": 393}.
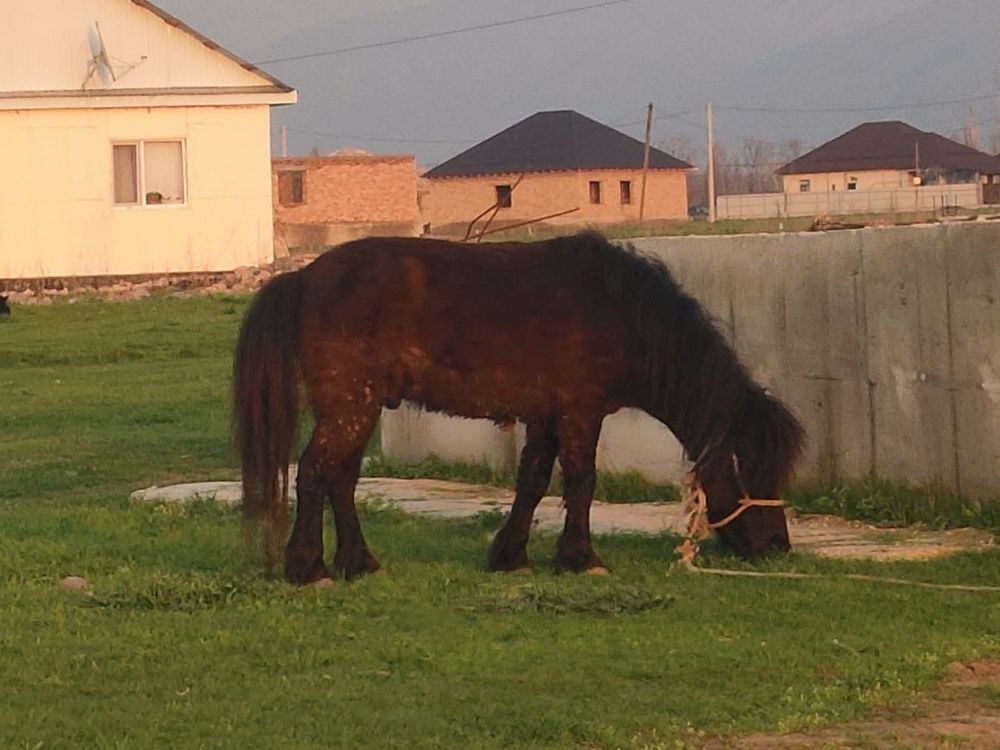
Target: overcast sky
{"x": 775, "y": 69}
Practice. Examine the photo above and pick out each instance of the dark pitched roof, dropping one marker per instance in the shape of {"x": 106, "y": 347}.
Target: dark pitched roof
{"x": 891, "y": 145}
{"x": 554, "y": 141}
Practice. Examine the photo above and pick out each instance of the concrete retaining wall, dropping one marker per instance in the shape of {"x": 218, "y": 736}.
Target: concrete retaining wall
{"x": 886, "y": 343}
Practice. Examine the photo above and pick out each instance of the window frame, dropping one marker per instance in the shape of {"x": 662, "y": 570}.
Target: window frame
{"x": 805, "y": 186}
{"x": 595, "y": 192}
{"x": 141, "y": 192}
{"x": 302, "y": 190}
{"x": 503, "y": 196}
{"x": 625, "y": 192}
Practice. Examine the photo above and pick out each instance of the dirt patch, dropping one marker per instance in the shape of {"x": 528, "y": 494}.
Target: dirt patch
{"x": 963, "y": 712}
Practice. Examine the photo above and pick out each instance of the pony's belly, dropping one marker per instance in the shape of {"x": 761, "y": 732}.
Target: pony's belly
{"x": 498, "y": 396}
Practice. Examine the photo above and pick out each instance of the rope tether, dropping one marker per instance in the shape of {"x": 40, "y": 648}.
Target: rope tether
{"x": 695, "y": 507}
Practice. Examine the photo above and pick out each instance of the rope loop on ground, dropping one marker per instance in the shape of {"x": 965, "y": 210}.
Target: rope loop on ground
{"x": 695, "y": 508}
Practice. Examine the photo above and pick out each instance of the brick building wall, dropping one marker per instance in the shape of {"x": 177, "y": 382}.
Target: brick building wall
{"x": 452, "y": 202}
{"x": 323, "y": 200}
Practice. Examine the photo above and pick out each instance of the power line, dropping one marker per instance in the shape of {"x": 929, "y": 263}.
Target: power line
{"x": 439, "y": 34}
{"x": 885, "y": 108}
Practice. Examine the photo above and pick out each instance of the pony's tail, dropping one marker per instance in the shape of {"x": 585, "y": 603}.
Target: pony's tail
{"x": 266, "y": 408}
{"x": 770, "y": 440}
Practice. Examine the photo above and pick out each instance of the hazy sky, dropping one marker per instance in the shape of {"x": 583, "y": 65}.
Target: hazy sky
{"x": 775, "y": 69}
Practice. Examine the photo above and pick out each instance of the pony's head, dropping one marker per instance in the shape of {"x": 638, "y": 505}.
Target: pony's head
{"x": 4, "y": 307}
{"x": 751, "y": 523}
{"x": 742, "y": 477}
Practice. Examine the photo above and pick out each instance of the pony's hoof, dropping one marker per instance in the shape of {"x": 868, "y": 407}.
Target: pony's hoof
{"x": 581, "y": 561}
{"x": 503, "y": 558}
{"x": 304, "y": 575}
{"x": 357, "y": 564}
{"x": 597, "y": 570}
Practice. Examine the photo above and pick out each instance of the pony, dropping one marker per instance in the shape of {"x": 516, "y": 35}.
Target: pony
{"x": 4, "y": 307}
{"x": 557, "y": 334}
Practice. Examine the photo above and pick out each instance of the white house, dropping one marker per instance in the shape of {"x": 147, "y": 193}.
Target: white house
{"x": 129, "y": 143}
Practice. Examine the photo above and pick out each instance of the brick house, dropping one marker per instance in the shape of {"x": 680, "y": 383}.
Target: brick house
{"x": 885, "y": 155}
{"x": 139, "y": 146}
{"x": 325, "y": 200}
{"x": 550, "y": 163}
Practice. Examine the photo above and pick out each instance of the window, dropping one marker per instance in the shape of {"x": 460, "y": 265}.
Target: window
{"x": 148, "y": 173}
{"x": 803, "y": 186}
{"x": 291, "y": 187}
{"x": 852, "y": 183}
{"x": 595, "y": 191}
{"x": 625, "y": 187}
{"x": 503, "y": 196}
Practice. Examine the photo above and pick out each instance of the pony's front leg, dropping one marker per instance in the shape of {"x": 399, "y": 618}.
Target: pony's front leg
{"x": 577, "y": 455}
{"x": 304, "y": 553}
{"x": 509, "y": 550}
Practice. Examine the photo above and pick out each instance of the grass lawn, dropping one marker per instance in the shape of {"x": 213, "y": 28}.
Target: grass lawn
{"x": 183, "y": 643}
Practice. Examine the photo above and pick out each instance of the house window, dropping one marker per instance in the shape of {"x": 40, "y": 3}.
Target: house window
{"x": 852, "y": 183}
{"x": 595, "y": 191}
{"x": 503, "y": 196}
{"x": 804, "y": 186}
{"x": 625, "y": 187}
{"x": 291, "y": 187}
{"x": 148, "y": 173}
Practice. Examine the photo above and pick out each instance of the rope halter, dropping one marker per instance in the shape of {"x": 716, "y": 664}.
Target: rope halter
{"x": 695, "y": 509}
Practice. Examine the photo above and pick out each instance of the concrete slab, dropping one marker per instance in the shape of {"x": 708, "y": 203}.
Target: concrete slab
{"x": 827, "y": 536}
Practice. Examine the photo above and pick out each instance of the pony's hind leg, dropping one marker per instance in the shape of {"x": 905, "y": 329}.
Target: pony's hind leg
{"x": 329, "y": 469}
{"x": 509, "y": 549}
{"x": 577, "y": 455}
{"x": 352, "y": 558}
{"x": 304, "y": 553}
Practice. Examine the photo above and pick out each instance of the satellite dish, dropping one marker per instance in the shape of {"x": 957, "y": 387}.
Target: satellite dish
{"x": 100, "y": 62}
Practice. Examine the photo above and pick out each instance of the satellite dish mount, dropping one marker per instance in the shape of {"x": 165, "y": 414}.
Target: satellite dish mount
{"x": 100, "y": 63}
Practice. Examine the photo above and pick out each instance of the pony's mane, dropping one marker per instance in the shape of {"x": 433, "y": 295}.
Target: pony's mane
{"x": 691, "y": 376}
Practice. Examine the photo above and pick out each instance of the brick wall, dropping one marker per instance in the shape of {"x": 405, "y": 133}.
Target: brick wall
{"x": 457, "y": 200}
{"x": 351, "y": 189}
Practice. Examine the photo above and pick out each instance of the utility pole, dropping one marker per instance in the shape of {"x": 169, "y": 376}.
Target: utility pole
{"x": 645, "y": 162}
{"x": 284, "y": 141}
{"x": 971, "y": 135}
{"x": 711, "y": 164}
{"x": 996, "y": 135}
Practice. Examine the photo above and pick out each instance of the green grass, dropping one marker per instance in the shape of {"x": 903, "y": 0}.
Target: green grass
{"x": 182, "y": 642}
{"x": 883, "y": 502}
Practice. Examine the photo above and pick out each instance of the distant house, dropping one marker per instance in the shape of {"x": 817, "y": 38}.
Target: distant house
{"x": 891, "y": 154}
{"x": 559, "y": 165}
{"x": 130, "y": 143}
{"x": 324, "y": 200}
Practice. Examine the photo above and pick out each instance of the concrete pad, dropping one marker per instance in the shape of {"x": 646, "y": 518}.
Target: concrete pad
{"x": 826, "y": 536}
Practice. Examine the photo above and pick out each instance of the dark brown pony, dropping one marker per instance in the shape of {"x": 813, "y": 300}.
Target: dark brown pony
{"x": 557, "y": 334}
